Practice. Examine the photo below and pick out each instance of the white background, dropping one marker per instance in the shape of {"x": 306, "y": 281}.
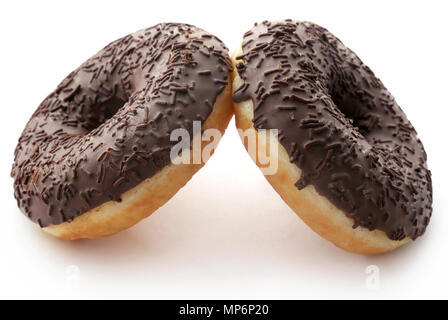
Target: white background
{"x": 227, "y": 234}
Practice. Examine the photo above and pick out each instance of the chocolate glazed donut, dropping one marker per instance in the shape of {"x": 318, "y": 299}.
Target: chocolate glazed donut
{"x": 350, "y": 162}
{"x": 94, "y": 158}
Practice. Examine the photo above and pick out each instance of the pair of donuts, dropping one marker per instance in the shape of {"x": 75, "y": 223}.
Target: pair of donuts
{"x": 94, "y": 158}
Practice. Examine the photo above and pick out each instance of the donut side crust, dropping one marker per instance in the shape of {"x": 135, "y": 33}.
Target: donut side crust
{"x": 142, "y": 200}
{"x": 315, "y": 210}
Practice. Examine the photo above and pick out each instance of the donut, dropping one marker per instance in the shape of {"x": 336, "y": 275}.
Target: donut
{"x": 94, "y": 158}
{"x": 349, "y": 161}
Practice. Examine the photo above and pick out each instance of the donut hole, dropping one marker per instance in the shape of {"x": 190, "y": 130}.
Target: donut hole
{"x": 351, "y": 109}
{"x": 100, "y": 113}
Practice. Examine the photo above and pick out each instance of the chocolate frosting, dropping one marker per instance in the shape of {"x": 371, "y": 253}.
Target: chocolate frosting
{"x": 340, "y": 125}
{"x": 107, "y": 126}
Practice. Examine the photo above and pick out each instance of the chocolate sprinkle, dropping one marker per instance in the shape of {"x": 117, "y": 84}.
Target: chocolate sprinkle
{"x": 107, "y": 126}
{"x": 343, "y": 128}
